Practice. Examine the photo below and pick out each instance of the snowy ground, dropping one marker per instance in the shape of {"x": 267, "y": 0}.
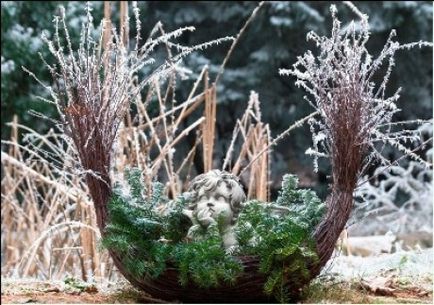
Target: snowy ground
{"x": 401, "y": 277}
{"x": 415, "y": 264}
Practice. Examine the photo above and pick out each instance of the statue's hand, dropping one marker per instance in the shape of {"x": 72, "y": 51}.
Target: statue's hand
{"x": 232, "y": 250}
{"x": 189, "y": 214}
{"x": 192, "y": 232}
{"x": 204, "y": 218}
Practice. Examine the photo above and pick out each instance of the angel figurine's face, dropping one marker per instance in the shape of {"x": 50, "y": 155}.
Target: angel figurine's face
{"x": 216, "y": 199}
{"x": 217, "y": 202}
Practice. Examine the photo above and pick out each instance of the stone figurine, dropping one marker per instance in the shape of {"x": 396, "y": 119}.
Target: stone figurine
{"x": 215, "y": 200}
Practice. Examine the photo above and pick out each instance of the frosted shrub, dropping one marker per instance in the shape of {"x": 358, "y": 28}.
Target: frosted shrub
{"x": 355, "y": 114}
{"x": 95, "y": 84}
{"x": 354, "y": 122}
{"x": 98, "y": 81}
{"x": 401, "y": 201}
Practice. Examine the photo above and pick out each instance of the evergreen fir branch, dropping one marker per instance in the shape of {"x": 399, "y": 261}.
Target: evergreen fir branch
{"x": 148, "y": 237}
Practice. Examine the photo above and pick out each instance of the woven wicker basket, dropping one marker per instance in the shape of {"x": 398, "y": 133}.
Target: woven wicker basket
{"x": 249, "y": 287}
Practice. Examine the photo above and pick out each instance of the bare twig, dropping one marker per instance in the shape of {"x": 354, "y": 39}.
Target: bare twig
{"x": 421, "y": 146}
{"x": 234, "y": 43}
{"x": 278, "y": 138}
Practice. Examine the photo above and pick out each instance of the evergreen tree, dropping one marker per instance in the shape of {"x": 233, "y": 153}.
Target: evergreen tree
{"x": 271, "y": 42}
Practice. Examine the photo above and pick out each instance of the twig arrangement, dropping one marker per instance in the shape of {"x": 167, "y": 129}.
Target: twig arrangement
{"x": 354, "y": 114}
{"x": 93, "y": 90}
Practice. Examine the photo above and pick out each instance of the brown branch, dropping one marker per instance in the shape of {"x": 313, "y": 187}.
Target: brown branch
{"x": 278, "y": 138}
{"x": 234, "y": 43}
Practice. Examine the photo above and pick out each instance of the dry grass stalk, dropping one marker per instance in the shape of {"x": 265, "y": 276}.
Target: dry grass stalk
{"x": 254, "y": 136}
{"x": 124, "y": 22}
{"x": 48, "y": 222}
{"x": 107, "y": 17}
{"x": 273, "y": 142}
{"x": 236, "y": 40}
{"x": 159, "y": 134}
{"x": 37, "y": 196}
{"x": 208, "y": 128}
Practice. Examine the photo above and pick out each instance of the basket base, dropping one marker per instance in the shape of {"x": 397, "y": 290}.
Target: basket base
{"x": 249, "y": 288}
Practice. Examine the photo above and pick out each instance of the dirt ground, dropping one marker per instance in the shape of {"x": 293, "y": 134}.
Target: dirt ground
{"x": 322, "y": 291}
{"x": 363, "y": 292}
{"x": 405, "y": 277}
{"x": 44, "y": 292}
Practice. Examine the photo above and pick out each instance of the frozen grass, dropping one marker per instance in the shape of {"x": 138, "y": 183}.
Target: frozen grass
{"x": 48, "y": 221}
{"x": 402, "y": 277}
{"x": 49, "y": 226}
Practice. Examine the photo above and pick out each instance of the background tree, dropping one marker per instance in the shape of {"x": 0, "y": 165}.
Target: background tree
{"x": 271, "y": 42}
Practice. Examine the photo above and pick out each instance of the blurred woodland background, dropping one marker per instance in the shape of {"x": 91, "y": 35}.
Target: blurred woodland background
{"x": 274, "y": 40}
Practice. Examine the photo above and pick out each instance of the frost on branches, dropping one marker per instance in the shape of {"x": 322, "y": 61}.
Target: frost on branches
{"x": 355, "y": 123}
{"x": 94, "y": 84}
{"x": 398, "y": 200}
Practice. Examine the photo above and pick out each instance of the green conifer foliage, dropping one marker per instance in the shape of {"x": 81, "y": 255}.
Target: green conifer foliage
{"x": 149, "y": 240}
{"x": 205, "y": 261}
{"x": 283, "y": 243}
{"x": 305, "y": 206}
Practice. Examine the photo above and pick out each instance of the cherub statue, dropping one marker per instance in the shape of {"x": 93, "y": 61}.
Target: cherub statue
{"x": 215, "y": 201}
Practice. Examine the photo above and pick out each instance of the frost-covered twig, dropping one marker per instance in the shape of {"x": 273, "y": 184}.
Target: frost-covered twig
{"x": 278, "y": 138}
{"x": 354, "y": 110}
{"x": 234, "y": 43}
{"x": 394, "y": 163}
